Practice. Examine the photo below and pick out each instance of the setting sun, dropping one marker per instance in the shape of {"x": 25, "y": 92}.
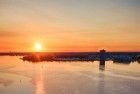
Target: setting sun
{"x": 38, "y": 46}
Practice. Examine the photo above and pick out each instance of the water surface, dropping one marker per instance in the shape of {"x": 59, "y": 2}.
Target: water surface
{"x": 19, "y": 77}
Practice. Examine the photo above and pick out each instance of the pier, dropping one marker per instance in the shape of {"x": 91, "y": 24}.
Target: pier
{"x": 102, "y": 57}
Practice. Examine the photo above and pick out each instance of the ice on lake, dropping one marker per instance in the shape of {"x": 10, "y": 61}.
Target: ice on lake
{"x": 18, "y": 77}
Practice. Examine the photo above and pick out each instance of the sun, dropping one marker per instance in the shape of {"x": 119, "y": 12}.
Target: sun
{"x": 38, "y": 46}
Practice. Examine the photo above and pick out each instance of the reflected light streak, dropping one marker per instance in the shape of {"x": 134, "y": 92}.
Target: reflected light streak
{"x": 39, "y": 83}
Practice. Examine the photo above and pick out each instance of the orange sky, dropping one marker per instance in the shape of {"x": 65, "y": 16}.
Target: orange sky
{"x": 70, "y": 25}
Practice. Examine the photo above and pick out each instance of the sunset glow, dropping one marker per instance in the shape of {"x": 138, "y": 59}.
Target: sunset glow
{"x": 70, "y": 25}
{"x": 38, "y": 47}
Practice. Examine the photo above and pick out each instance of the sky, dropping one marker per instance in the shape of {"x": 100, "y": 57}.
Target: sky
{"x": 70, "y": 25}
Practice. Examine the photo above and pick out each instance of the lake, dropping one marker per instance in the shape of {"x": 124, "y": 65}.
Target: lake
{"x": 22, "y": 77}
